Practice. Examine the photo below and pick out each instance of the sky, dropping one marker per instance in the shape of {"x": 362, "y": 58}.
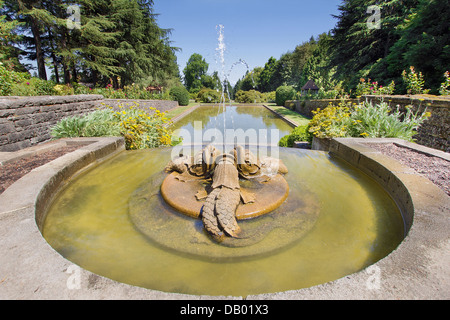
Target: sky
{"x": 253, "y": 30}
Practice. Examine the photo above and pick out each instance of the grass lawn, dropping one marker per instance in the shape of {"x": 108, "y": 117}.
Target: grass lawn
{"x": 177, "y": 111}
{"x": 290, "y": 114}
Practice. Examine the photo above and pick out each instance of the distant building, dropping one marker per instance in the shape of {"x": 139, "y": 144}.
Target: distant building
{"x": 310, "y": 87}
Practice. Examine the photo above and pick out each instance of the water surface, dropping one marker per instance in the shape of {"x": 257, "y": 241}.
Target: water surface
{"x": 251, "y": 125}
{"x": 358, "y": 224}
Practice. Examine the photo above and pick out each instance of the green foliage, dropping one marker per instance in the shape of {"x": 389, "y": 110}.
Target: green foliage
{"x": 100, "y": 123}
{"x": 207, "y": 95}
{"x": 116, "y": 40}
{"x": 70, "y": 127}
{"x": 181, "y": 95}
{"x": 424, "y": 42}
{"x": 266, "y": 77}
{"x": 195, "y": 69}
{"x": 414, "y": 82}
{"x": 8, "y": 36}
{"x": 22, "y": 84}
{"x": 142, "y": 129}
{"x": 300, "y": 133}
{"x": 356, "y": 49}
{"x": 379, "y": 121}
{"x": 330, "y": 122}
{"x": 373, "y": 88}
{"x": 283, "y": 94}
{"x": 251, "y": 96}
{"x": 366, "y": 120}
{"x": 8, "y": 79}
{"x": 444, "y": 90}
{"x": 128, "y": 92}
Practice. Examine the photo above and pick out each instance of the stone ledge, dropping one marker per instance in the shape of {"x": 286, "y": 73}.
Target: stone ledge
{"x": 417, "y": 269}
{"x": 21, "y": 102}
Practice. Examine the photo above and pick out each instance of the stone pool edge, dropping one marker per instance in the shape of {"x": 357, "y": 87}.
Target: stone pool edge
{"x": 418, "y": 268}
{"x": 31, "y": 269}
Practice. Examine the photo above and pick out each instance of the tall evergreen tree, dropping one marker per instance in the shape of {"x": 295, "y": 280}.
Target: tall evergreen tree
{"x": 36, "y": 16}
{"x": 356, "y": 47}
{"x": 424, "y": 43}
{"x": 317, "y": 67}
{"x": 9, "y": 53}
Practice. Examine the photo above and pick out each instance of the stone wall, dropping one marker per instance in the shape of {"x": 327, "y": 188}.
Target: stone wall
{"x": 26, "y": 121}
{"x": 434, "y": 133}
{"x": 306, "y": 107}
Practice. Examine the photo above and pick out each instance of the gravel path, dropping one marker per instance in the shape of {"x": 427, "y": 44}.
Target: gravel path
{"x": 435, "y": 169}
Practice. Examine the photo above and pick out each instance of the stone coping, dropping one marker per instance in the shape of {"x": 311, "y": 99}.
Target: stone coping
{"x": 37, "y": 101}
{"x": 417, "y": 269}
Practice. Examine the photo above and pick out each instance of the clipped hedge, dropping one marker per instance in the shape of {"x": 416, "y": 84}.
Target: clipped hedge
{"x": 283, "y": 94}
{"x": 300, "y": 133}
{"x": 181, "y": 95}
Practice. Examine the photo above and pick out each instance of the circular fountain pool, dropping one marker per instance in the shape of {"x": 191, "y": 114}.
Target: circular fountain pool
{"x": 335, "y": 221}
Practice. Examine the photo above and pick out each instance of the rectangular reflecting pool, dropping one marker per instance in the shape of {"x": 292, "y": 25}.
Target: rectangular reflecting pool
{"x": 245, "y": 124}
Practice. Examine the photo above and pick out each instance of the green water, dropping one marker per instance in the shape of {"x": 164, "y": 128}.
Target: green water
{"x": 358, "y": 224}
{"x": 254, "y": 124}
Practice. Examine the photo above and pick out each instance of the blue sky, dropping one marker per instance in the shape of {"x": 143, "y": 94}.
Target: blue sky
{"x": 254, "y": 30}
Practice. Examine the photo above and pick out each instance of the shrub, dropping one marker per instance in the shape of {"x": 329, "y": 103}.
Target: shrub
{"x": 366, "y": 120}
{"x": 330, "y": 122}
{"x": 9, "y": 78}
{"x": 251, "y": 96}
{"x": 63, "y": 89}
{"x": 414, "y": 82}
{"x": 283, "y": 94}
{"x": 300, "y": 133}
{"x": 379, "y": 121}
{"x": 141, "y": 129}
{"x": 207, "y": 95}
{"x": 70, "y": 127}
{"x": 269, "y": 96}
{"x": 444, "y": 89}
{"x": 181, "y": 95}
{"x": 33, "y": 87}
{"x": 372, "y": 88}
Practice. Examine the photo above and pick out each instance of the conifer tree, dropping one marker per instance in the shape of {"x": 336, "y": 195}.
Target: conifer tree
{"x": 356, "y": 47}
{"x": 424, "y": 43}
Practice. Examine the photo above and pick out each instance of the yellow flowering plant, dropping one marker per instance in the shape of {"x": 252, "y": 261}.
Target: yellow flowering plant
{"x": 331, "y": 122}
{"x": 143, "y": 129}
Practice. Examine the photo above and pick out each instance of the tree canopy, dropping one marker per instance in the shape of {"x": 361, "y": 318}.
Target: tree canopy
{"x": 371, "y": 39}
{"x": 96, "y": 41}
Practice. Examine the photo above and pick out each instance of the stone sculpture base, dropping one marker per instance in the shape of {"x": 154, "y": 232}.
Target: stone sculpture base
{"x": 183, "y": 234}
{"x": 268, "y": 196}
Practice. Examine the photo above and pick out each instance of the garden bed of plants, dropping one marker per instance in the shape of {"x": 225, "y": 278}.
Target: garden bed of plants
{"x": 366, "y": 120}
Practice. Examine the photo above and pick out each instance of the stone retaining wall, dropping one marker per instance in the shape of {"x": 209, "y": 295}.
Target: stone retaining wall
{"x": 26, "y": 121}
{"x": 434, "y": 133}
{"x": 306, "y": 107}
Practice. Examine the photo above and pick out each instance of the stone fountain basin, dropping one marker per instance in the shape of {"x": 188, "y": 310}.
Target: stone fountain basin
{"x": 418, "y": 269}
